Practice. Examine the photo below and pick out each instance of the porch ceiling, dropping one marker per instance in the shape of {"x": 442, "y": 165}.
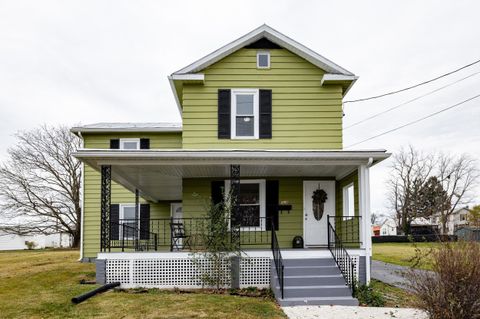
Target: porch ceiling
{"x": 158, "y": 174}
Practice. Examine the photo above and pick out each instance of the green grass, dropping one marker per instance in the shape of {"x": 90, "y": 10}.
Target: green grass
{"x": 394, "y": 297}
{"x": 40, "y": 284}
{"x": 403, "y": 253}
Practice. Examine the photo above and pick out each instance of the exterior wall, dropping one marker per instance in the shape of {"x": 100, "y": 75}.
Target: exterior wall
{"x": 290, "y": 189}
{"x": 304, "y": 114}
{"x": 91, "y": 191}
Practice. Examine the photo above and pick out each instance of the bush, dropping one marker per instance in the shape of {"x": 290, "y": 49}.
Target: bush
{"x": 368, "y": 296}
{"x": 30, "y": 244}
{"x": 452, "y": 289}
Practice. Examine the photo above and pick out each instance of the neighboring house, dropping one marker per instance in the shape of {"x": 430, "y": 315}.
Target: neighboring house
{"x": 457, "y": 219}
{"x": 17, "y": 242}
{"x": 387, "y": 227}
{"x": 376, "y": 230}
{"x": 423, "y": 226}
{"x": 261, "y": 116}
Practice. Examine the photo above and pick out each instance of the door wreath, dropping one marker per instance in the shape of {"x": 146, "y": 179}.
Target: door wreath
{"x": 319, "y": 198}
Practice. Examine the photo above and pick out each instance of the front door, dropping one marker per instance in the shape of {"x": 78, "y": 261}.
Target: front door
{"x": 315, "y": 216}
{"x": 176, "y": 211}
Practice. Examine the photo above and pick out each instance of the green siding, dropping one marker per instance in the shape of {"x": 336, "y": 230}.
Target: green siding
{"x": 304, "y": 114}
{"x": 91, "y": 195}
{"x": 290, "y": 189}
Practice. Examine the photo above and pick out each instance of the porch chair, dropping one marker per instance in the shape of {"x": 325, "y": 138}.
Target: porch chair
{"x": 180, "y": 240}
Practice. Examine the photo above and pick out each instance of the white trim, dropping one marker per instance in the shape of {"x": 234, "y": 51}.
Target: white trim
{"x": 175, "y": 94}
{"x": 262, "y": 200}
{"x": 195, "y": 77}
{"x": 337, "y": 77}
{"x": 129, "y": 140}
{"x": 274, "y": 36}
{"x": 233, "y": 113}
{"x": 346, "y": 200}
{"x": 263, "y": 52}
{"x": 174, "y": 206}
{"x": 365, "y": 231}
{"x": 128, "y": 127}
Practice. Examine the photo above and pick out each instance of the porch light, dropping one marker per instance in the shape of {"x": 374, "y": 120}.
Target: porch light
{"x": 284, "y": 206}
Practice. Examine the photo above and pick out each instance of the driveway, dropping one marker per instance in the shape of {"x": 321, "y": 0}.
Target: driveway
{"x": 391, "y": 274}
{"x": 346, "y": 312}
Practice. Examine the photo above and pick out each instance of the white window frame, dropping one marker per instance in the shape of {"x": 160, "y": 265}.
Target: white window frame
{"x": 267, "y": 53}
{"x": 346, "y": 202}
{"x": 121, "y": 216}
{"x": 233, "y": 112}
{"x": 125, "y": 140}
{"x": 262, "y": 199}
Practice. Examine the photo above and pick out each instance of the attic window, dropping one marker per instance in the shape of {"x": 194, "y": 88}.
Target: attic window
{"x": 263, "y": 60}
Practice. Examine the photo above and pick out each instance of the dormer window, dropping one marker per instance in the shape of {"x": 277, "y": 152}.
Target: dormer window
{"x": 263, "y": 60}
{"x": 129, "y": 143}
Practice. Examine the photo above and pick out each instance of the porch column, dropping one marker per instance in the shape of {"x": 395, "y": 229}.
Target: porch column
{"x": 105, "y": 196}
{"x": 235, "y": 192}
{"x": 365, "y": 231}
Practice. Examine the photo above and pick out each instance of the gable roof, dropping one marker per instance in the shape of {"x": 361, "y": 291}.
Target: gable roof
{"x": 264, "y": 31}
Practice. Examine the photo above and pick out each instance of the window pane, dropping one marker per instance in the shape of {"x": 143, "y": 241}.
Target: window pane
{"x": 244, "y": 104}
{"x": 263, "y": 60}
{"x": 130, "y": 145}
{"x": 244, "y": 126}
{"x": 250, "y": 216}
{"x": 249, "y": 194}
{"x": 128, "y": 212}
{"x": 351, "y": 201}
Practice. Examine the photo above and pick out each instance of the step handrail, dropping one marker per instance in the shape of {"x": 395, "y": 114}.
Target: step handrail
{"x": 277, "y": 259}
{"x": 342, "y": 258}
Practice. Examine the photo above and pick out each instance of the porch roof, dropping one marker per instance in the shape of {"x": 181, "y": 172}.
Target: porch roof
{"x": 158, "y": 174}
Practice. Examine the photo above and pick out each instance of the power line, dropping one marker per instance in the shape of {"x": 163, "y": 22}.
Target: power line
{"x": 409, "y": 101}
{"x": 413, "y": 86}
{"x": 416, "y": 121}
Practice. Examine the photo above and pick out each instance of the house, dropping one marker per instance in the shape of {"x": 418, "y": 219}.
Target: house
{"x": 388, "y": 227}
{"x": 261, "y": 116}
{"x": 18, "y": 242}
{"x": 458, "y": 219}
{"x": 376, "y": 230}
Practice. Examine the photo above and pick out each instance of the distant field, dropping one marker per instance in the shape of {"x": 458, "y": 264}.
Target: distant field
{"x": 40, "y": 284}
{"x": 402, "y": 253}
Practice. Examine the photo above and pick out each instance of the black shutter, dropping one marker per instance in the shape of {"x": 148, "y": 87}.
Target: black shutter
{"x": 114, "y": 221}
{"x": 217, "y": 191}
{"x": 224, "y": 102}
{"x": 265, "y": 114}
{"x": 272, "y": 199}
{"x": 144, "y": 221}
{"x": 114, "y": 144}
{"x": 144, "y": 143}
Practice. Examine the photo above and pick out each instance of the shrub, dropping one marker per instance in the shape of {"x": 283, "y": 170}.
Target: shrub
{"x": 452, "y": 289}
{"x": 30, "y": 244}
{"x": 366, "y": 295}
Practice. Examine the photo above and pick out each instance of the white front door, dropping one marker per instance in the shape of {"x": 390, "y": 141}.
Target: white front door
{"x": 315, "y": 227}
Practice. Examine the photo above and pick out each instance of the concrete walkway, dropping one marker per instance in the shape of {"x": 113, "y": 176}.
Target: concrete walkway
{"x": 346, "y": 312}
{"x": 391, "y": 274}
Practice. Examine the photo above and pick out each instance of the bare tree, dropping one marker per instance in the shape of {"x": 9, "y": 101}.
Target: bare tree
{"x": 410, "y": 171}
{"x": 459, "y": 176}
{"x": 40, "y": 184}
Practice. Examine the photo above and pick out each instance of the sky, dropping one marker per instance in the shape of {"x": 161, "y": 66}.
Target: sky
{"x": 80, "y": 62}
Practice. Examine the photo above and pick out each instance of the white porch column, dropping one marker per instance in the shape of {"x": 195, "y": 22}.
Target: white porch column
{"x": 365, "y": 230}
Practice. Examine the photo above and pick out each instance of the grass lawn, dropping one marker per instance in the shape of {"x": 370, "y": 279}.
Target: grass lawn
{"x": 394, "y": 297}
{"x": 40, "y": 284}
{"x": 402, "y": 253}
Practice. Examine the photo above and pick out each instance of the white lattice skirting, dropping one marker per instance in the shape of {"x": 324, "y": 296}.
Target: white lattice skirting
{"x": 183, "y": 272}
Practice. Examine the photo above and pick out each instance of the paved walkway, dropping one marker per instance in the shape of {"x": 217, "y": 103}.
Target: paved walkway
{"x": 391, "y": 274}
{"x": 345, "y": 312}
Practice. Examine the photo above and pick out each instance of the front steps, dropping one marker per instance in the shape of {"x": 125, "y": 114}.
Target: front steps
{"x": 316, "y": 281}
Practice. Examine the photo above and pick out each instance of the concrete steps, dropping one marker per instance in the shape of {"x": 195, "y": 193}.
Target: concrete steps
{"x": 314, "y": 281}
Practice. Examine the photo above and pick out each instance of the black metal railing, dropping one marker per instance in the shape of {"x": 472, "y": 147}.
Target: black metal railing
{"x": 342, "y": 258}
{"x": 277, "y": 259}
{"x": 347, "y": 229}
{"x": 127, "y": 235}
{"x": 176, "y": 234}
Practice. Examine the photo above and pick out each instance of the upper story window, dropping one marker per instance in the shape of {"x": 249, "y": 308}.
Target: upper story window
{"x": 244, "y": 113}
{"x": 263, "y": 60}
{"x": 129, "y": 143}
{"x": 349, "y": 201}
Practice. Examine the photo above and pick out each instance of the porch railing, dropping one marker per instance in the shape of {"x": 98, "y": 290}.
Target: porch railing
{"x": 347, "y": 229}
{"x": 342, "y": 258}
{"x": 278, "y": 260}
{"x": 253, "y": 232}
{"x": 125, "y": 235}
